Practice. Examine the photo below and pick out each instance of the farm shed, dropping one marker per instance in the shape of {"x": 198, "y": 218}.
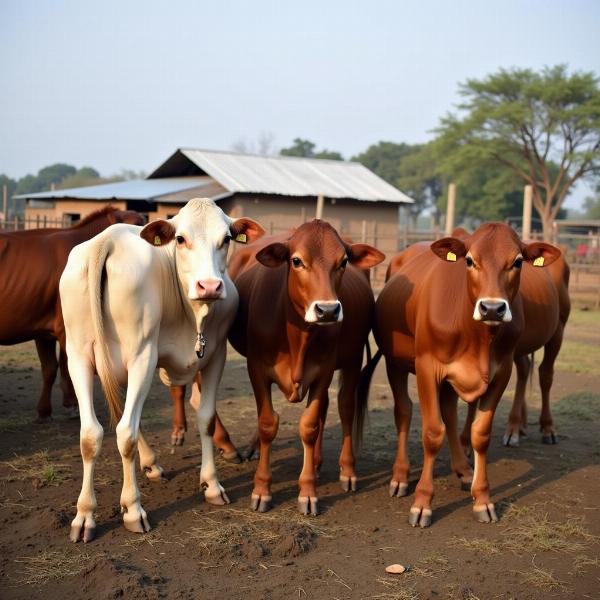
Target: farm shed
{"x": 279, "y": 191}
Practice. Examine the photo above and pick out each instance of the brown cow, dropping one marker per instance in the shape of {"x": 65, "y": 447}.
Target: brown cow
{"x": 546, "y": 306}
{"x": 455, "y": 322}
{"x": 305, "y": 310}
{"x": 31, "y": 263}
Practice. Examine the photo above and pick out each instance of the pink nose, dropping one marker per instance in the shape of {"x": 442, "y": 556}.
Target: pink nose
{"x": 209, "y": 289}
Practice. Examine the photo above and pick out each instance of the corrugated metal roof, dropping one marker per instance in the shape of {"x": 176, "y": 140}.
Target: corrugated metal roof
{"x": 292, "y": 176}
{"x": 134, "y": 189}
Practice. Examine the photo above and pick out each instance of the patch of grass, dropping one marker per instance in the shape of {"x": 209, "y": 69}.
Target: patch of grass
{"x": 583, "y": 406}
{"x": 479, "y": 545}
{"x": 37, "y": 467}
{"x": 578, "y": 357}
{"x": 396, "y": 589}
{"x": 540, "y": 578}
{"x": 52, "y": 565}
{"x": 582, "y": 563}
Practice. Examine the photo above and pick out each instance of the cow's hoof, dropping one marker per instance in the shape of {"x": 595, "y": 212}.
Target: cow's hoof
{"x": 511, "y": 439}
{"x": 419, "y": 516}
{"x": 398, "y": 489}
{"x": 219, "y": 499}
{"x": 232, "y": 456}
{"x": 250, "y": 453}
{"x": 466, "y": 481}
{"x": 308, "y": 505}
{"x": 549, "y": 438}
{"x": 260, "y": 503}
{"x": 136, "y": 521}
{"x": 82, "y": 529}
{"x": 177, "y": 437}
{"x": 155, "y": 473}
{"x": 43, "y": 419}
{"x": 348, "y": 483}
{"x": 485, "y": 513}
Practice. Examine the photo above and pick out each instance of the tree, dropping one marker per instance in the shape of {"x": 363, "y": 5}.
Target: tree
{"x": 306, "y": 149}
{"x": 591, "y": 205}
{"x": 527, "y": 122}
{"x": 410, "y": 168}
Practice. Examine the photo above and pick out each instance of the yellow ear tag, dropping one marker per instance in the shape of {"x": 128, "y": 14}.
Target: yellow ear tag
{"x": 539, "y": 261}
{"x": 157, "y": 241}
{"x": 451, "y": 257}
{"x": 241, "y": 238}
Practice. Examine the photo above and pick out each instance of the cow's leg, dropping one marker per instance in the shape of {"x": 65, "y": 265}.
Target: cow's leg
{"x": 268, "y": 423}
{"x": 398, "y": 378}
{"x": 432, "y": 438}
{"x": 318, "y": 454}
{"x": 223, "y": 443}
{"x": 483, "y": 509}
{"x": 139, "y": 379}
{"x": 179, "y": 422}
{"x": 90, "y": 441}
{"x": 69, "y": 397}
{"x": 148, "y": 463}
{"x": 309, "y": 432}
{"x": 513, "y": 429}
{"x": 214, "y": 493}
{"x": 458, "y": 459}
{"x": 46, "y": 350}
{"x": 465, "y": 436}
{"x": 347, "y": 410}
{"x": 546, "y": 373}
{"x": 221, "y": 437}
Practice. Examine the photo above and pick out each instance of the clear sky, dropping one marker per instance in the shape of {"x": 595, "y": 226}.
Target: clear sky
{"x": 122, "y": 83}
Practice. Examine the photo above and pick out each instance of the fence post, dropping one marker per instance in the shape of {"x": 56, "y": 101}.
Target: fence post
{"x": 5, "y": 202}
{"x": 527, "y": 201}
{"x": 320, "y": 203}
{"x": 450, "y": 208}
{"x": 363, "y": 235}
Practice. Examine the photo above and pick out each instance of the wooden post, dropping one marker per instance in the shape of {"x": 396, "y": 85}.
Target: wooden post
{"x": 450, "y": 208}
{"x": 363, "y": 235}
{"x": 320, "y": 203}
{"x": 527, "y": 203}
{"x": 5, "y": 202}
{"x": 303, "y": 215}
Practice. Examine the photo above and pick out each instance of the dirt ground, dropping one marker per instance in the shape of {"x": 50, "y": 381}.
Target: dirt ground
{"x": 546, "y": 544}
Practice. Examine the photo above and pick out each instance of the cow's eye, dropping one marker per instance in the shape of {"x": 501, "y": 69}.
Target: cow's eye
{"x": 297, "y": 262}
{"x": 469, "y": 261}
{"x": 180, "y": 239}
{"x": 518, "y": 263}
{"x": 226, "y": 240}
{"x": 344, "y": 263}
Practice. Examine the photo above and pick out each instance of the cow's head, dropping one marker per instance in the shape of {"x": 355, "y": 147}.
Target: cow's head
{"x": 317, "y": 257}
{"x": 493, "y": 257}
{"x": 201, "y": 232}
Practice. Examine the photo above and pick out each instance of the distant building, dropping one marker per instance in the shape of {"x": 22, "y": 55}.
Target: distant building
{"x": 278, "y": 191}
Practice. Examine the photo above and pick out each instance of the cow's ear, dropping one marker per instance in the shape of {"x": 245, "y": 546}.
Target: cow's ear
{"x": 460, "y": 232}
{"x": 540, "y": 254}
{"x": 273, "y": 255}
{"x": 364, "y": 256}
{"x": 158, "y": 233}
{"x": 449, "y": 248}
{"x": 245, "y": 230}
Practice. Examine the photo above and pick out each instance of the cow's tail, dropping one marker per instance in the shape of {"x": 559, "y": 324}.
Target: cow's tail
{"x": 112, "y": 390}
{"x": 362, "y": 397}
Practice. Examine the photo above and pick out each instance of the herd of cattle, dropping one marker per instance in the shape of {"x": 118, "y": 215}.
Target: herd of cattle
{"x": 122, "y": 299}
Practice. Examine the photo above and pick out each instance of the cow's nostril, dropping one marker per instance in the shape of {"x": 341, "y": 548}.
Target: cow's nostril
{"x": 483, "y": 309}
{"x": 501, "y": 309}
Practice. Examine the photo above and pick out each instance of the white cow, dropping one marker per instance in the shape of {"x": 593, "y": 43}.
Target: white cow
{"x": 136, "y": 298}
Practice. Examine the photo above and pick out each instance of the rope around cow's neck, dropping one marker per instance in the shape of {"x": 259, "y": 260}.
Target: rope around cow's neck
{"x": 200, "y": 339}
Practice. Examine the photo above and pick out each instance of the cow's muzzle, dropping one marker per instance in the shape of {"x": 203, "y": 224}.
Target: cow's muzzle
{"x": 209, "y": 289}
{"x": 492, "y": 311}
{"x": 324, "y": 312}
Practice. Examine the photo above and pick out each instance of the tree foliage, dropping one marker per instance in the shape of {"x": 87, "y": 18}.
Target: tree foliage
{"x": 306, "y": 149}
{"x": 528, "y": 123}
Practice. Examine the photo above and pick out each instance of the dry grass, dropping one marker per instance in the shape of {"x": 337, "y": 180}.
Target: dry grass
{"x": 583, "y": 563}
{"x": 479, "y": 545}
{"x": 38, "y": 467}
{"x": 541, "y": 578}
{"x": 580, "y": 406}
{"x": 396, "y": 589}
{"x": 52, "y": 565}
